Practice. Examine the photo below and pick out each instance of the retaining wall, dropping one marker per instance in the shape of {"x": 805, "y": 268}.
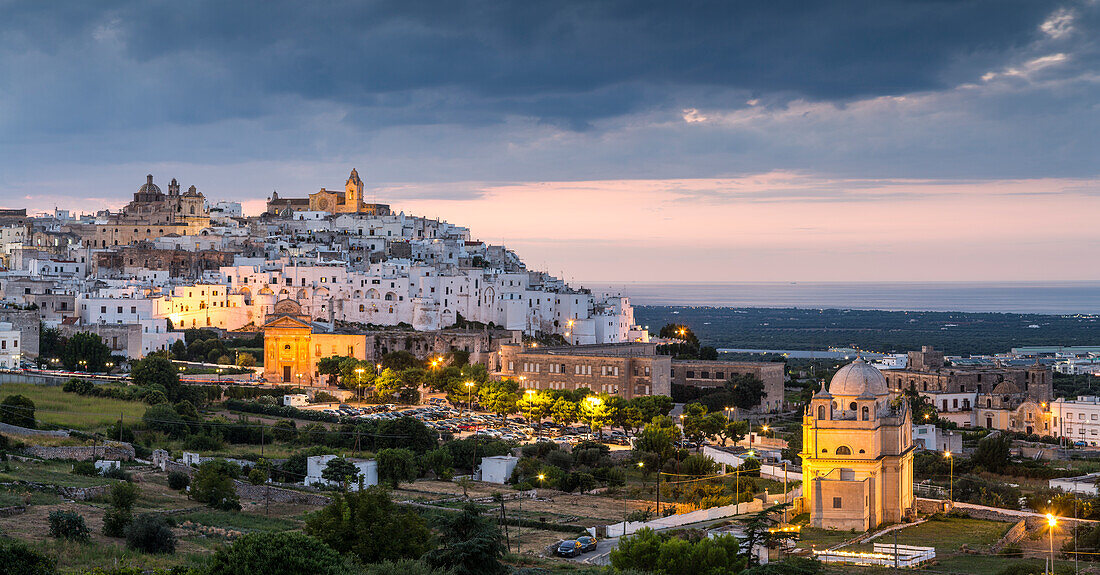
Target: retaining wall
{"x": 267, "y": 493}
{"x": 118, "y": 451}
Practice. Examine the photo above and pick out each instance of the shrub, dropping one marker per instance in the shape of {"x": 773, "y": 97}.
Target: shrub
{"x": 18, "y": 558}
{"x": 213, "y": 485}
{"x": 68, "y": 525}
{"x": 115, "y": 521}
{"x": 85, "y": 468}
{"x": 286, "y": 553}
{"x": 150, "y": 533}
{"x": 17, "y": 410}
{"x": 178, "y": 480}
{"x": 118, "y": 473}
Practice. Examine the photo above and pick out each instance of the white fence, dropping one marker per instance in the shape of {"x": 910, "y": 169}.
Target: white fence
{"x": 681, "y": 519}
{"x": 883, "y": 554}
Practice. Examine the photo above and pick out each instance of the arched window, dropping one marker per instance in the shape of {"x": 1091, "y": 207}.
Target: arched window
{"x": 843, "y": 450}
{"x": 362, "y": 308}
{"x": 852, "y": 406}
{"x": 823, "y": 450}
{"x": 989, "y": 403}
{"x": 287, "y": 346}
{"x": 821, "y": 412}
{"x": 866, "y": 413}
{"x": 835, "y": 406}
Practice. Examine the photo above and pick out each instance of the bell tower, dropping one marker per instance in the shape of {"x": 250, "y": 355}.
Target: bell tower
{"x": 353, "y": 192}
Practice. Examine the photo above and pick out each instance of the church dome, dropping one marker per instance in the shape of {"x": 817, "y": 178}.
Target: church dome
{"x": 858, "y": 378}
{"x": 149, "y": 185}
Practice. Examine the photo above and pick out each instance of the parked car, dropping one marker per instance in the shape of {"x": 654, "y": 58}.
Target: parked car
{"x": 587, "y": 543}
{"x": 568, "y": 548}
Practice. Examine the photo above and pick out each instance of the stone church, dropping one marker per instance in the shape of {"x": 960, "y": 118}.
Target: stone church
{"x": 857, "y": 452}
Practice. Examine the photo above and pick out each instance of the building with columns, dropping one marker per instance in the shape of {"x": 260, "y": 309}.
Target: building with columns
{"x": 857, "y": 452}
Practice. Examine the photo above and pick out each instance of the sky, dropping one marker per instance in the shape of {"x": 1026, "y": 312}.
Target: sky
{"x": 611, "y": 141}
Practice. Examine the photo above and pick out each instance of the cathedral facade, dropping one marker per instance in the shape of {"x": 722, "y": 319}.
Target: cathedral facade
{"x": 857, "y": 452}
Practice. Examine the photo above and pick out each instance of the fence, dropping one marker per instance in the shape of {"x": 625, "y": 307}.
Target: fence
{"x": 884, "y": 554}
{"x": 768, "y": 471}
{"x": 681, "y": 519}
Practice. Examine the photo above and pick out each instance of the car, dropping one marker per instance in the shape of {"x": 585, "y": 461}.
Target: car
{"x": 587, "y": 543}
{"x": 568, "y": 548}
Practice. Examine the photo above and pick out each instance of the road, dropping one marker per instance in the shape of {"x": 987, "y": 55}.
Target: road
{"x": 602, "y": 554}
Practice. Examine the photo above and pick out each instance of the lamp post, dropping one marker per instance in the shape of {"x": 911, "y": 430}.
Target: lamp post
{"x": 359, "y": 384}
{"x": 593, "y": 403}
{"x": 541, "y": 477}
{"x": 530, "y": 393}
{"x": 951, "y": 480}
{"x": 1051, "y": 522}
{"x": 470, "y": 398}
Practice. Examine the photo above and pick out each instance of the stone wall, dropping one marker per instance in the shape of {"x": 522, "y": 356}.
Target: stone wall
{"x": 1014, "y": 534}
{"x": 119, "y": 451}
{"x": 267, "y": 493}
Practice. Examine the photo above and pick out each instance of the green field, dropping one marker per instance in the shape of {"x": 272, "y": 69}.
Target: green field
{"x": 238, "y": 521}
{"x": 48, "y": 472}
{"x": 55, "y": 407}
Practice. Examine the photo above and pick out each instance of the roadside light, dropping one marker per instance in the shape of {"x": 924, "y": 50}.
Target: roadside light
{"x": 1051, "y": 521}
{"x": 947, "y": 454}
{"x": 641, "y": 464}
{"x": 542, "y": 476}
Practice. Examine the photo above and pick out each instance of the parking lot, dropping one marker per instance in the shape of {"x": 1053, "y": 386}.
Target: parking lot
{"x": 440, "y": 415}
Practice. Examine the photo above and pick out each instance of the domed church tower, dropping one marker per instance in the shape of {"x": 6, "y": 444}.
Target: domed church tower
{"x": 857, "y": 452}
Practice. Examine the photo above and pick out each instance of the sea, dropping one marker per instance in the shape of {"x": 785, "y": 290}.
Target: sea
{"x": 1055, "y": 298}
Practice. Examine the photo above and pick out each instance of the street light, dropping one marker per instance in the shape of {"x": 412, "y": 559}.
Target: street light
{"x": 951, "y": 480}
{"x": 1051, "y": 522}
{"x": 359, "y": 385}
{"x": 470, "y": 398}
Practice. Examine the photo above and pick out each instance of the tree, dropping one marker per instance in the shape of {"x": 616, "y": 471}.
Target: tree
{"x": 439, "y": 461}
{"x": 747, "y": 390}
{"x": 535, "y": 407}
{"x": 565, "y": 411}
{"x": 17, "y": 410}
{"x": 758, "y": 531}
{"x": 594, "y": 410}
{"x": 658, "y": 437}
{"x": 370, "y": 526}
{"x": 396, "y": 465}
{"x": 68, "y": 525}
{"x": 163, "y": 417}
{"x": 698, "y": 426}
{"x": 993, "y": 452}
{"x": 245, "y": 359}
{"x": 120, "y": 505}
{"x": 213, "y": 485}
{"x": 471, "y": 546}
{"x": 157, "y": 370}
{"x": 499, "y": 397}
{"x": 179, "y": 349}
{"x": 340, "y": 471}
{"x": 736, "y": 431}
{"x": 283, "y": 553}
{"x": 87, "y": 348}
{"x": 679, "y": 331}
{"x": 400, "y": 360}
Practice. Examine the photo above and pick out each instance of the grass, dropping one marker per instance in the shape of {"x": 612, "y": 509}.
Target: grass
{"x": 947, "y": 536}
{"x": 962, "y": 564}
{"x": 48, "y": 472}
{"x": 75, "y": 556}
{"x": 811, "y": 538}
{"x": 55, "y": 407}
{"x": 237, "y": 521}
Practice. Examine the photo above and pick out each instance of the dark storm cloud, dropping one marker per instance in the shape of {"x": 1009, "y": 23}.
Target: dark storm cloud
{"x": 568, "y": 63}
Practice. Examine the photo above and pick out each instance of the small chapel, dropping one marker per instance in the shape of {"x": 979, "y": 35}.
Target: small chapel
{"x": 857, "y": 452}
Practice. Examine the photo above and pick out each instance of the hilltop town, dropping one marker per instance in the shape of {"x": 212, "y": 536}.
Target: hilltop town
{"x": 187, "y": 387}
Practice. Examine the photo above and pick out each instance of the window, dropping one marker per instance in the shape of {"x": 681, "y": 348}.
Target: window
{"x": 852, "y": 406}
{"x": 821, "y": 412}
{"x": 866, "y": 413}
{"x": 836, "y": 503}
{"x": 843, "y": 450}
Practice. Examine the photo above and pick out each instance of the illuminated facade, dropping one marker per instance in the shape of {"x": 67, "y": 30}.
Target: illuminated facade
{"x": 293, "y": 344}
{"x": 857, "y": 452}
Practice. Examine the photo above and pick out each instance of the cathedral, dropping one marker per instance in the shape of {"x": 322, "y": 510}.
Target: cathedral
{"x": 150, "y": 205}
{"x": 349, "y": 201}
{"x": 857, "y": 452}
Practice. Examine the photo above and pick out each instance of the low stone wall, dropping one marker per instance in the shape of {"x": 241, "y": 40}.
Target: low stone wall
{"x": 13, "y": 510}
{"x": 16, "y": 430}
{"x": 1014, "y": 534}
{"x": 117, "y": 451}
{"x": 74, "y": 493}
{"x": 262, "y": 493}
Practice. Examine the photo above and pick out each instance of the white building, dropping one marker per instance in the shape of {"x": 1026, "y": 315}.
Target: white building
{"x": 296, "y": 400}
{"x": 1077, "y": 420}
{"x": 315, "y": 465}
{"x": 497, "y": 469}
{"x": 931, "y": 438}
{"x": 1085, "y": 484}
{"x": 10, "y": 350}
